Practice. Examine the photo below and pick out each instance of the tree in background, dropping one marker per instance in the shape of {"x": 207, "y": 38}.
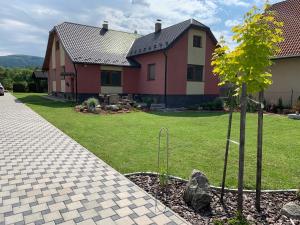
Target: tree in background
{"x": 247, "y": 67}
{"x": 20, "y": 77}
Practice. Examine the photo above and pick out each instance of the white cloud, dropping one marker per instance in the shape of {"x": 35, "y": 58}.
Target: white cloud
{"x": 232, "y": 23}
{"x": 235, "y": 3}
{"x": 17, "y": 26}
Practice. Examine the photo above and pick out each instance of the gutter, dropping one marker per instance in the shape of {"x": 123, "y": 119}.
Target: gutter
{"x": 166, "y": 72}
{"x": 285, "y": 57}
{"x": 76, "y": 88}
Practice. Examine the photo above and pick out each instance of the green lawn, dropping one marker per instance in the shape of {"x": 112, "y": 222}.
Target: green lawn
{"x": 128, "y": 142}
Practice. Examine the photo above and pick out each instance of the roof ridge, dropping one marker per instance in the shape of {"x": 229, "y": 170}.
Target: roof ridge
{"x": 167, "y": 27}
{"x": 85, "y": 25}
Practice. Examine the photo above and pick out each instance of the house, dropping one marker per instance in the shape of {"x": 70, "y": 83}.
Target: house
{"x": 170, "y": 65}
{"x": 286, "y": 68}
{"x": 40, "y": 79}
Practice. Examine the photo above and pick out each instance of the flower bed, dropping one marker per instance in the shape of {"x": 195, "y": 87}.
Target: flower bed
{"x": 272, "y": 202}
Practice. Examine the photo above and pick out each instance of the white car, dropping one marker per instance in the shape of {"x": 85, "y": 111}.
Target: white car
{"x": 1, "y": 90}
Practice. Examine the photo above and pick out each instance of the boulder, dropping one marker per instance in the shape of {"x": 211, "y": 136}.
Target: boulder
{"x": 291, "y": 210}
{"x": 198, "y": 192}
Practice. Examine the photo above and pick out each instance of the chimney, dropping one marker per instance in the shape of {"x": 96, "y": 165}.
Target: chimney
{"x": 105, "y": 25}
{"x": 158, "y": 26}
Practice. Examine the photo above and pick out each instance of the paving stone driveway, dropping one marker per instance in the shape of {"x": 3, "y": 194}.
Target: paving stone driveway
{"x": 48, "y": 178}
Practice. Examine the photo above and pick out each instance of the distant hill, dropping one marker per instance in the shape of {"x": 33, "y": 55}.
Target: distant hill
{"x": 21, "y": 61}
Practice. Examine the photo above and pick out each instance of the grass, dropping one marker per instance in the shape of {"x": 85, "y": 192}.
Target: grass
{"x": 128, "y": 142}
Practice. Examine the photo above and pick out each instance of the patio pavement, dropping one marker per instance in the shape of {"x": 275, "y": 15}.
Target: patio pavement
{"x": 48, "y": 178}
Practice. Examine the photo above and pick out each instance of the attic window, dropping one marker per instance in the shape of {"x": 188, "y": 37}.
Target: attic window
{"x": 197, "y": 41}
{"x": 57, "y": 45}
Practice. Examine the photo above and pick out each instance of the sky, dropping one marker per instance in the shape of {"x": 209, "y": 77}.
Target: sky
{"x": 25, "y": 24}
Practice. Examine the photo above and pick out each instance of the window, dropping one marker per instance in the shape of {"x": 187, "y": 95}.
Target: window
{"x": 195, "y": 73}
{"x": 57, "y": 45}
{"x": 197, "y": 41}
{"x": 110, "y": 78}
{"x": 151, "y": 71}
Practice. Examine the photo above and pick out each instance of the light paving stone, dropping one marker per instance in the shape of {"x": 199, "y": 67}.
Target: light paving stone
{"x": 14, "y": 218}
{"x": 70, "y": 215}
{"x": 125, "y": 221}
{"x": 143, "y": 220}
{"x": 106, "y": 221}
{"x": 52, "y": 216}
{"x": 48, "y": 178}
{"x": 87, "y": 222}
{"x": 89, "y": 214}
{"x": 122, "y": 212}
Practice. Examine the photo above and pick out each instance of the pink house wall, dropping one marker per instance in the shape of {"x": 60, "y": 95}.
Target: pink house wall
{"x": 145, "y": 86}
{"x": 211, "y": 82}
{"x": 130, "y": 80}
{"x": 177, "y": 67}
{"x": 88, "y": 77}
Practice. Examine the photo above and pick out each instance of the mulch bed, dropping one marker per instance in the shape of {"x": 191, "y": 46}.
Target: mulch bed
{"x": 271, "y": 203}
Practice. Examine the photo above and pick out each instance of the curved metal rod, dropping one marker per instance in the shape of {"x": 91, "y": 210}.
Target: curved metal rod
{"x": 166, "y": 131}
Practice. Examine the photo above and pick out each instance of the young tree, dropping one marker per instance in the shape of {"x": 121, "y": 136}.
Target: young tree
{"x": 247, "y": 67}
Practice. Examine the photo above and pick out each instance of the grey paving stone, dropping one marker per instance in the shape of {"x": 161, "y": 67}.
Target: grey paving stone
{"x": 47, "y": 177}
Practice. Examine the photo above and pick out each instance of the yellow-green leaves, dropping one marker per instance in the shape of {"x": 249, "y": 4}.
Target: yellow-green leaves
{"x": 249, "y": 62}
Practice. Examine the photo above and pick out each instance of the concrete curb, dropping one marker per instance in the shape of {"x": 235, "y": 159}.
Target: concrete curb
{"x": 213, "y": 187}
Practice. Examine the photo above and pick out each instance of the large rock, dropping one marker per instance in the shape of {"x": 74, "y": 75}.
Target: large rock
{"x": 291, "y": 210}
{"x": 198, "y": 192}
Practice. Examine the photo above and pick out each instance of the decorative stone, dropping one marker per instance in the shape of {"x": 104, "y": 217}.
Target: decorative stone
{"x": 294, "y": 116}
{"x": 198, "y": 192}
{"x": 112, "y": 107}
{"x": 291, "y": 210}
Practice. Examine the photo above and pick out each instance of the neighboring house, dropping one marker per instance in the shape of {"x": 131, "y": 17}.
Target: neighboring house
{"x": 286, "y": 68}
{"x": 40, "y": 79}
{"x": 170, "y": 65}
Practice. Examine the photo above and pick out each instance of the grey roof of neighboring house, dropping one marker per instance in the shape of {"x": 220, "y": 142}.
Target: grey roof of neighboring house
{"x": 164, "y": 39}
{"x": 88, "y": 44}
{"x": 40, "y": 74}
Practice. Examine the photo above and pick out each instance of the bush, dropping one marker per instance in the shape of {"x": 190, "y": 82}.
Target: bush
{"x": 218, "y": 104}
{"x": 20, "y": 86}
{"x": 32, "y": 87}
{"x": 92, "y": 103}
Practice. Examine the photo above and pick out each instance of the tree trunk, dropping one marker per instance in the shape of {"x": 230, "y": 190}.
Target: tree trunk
{"x": 259, "y": 150}
{"x": 242, "y": 148}
{"x": 227, "y": 149}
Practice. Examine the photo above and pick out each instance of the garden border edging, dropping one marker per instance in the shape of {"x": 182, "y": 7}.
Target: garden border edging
{"x": 214, "y": 187}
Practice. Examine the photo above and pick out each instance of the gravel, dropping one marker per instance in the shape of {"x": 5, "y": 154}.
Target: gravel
{"x": 271, "y": 203}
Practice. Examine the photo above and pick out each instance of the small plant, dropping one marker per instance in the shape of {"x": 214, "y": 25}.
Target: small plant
{"x": 163, "y": 178}
{"x": 297, "y": 106}
{"x": 280, "y": 105}
{"x": 148, "y": 101}
{"x": 298, "y": 193}
{"x": 218, "y": 222}
{"x": 92, "y": 103}
{"x": 239, "y": 219}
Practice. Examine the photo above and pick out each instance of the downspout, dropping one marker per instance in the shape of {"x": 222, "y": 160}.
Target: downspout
{"x": 76, "y": 90}
{"x": 166, "y": 72}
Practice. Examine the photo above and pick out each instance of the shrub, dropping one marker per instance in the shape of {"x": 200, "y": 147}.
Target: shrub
{"x": 280, "y": 104}
{"x": 217, "y": 104}
{"x": 32, "y": 87}
{"x": 148, "y": 101}
{"x": 20, "y": 86}
{"x": 297, "y": 106}
{"x": 92, "y": 103}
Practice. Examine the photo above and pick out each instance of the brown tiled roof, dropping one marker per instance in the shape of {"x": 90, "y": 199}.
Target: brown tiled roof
{"x": 165, "y": 38}
{"x": 288, "y": 12}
